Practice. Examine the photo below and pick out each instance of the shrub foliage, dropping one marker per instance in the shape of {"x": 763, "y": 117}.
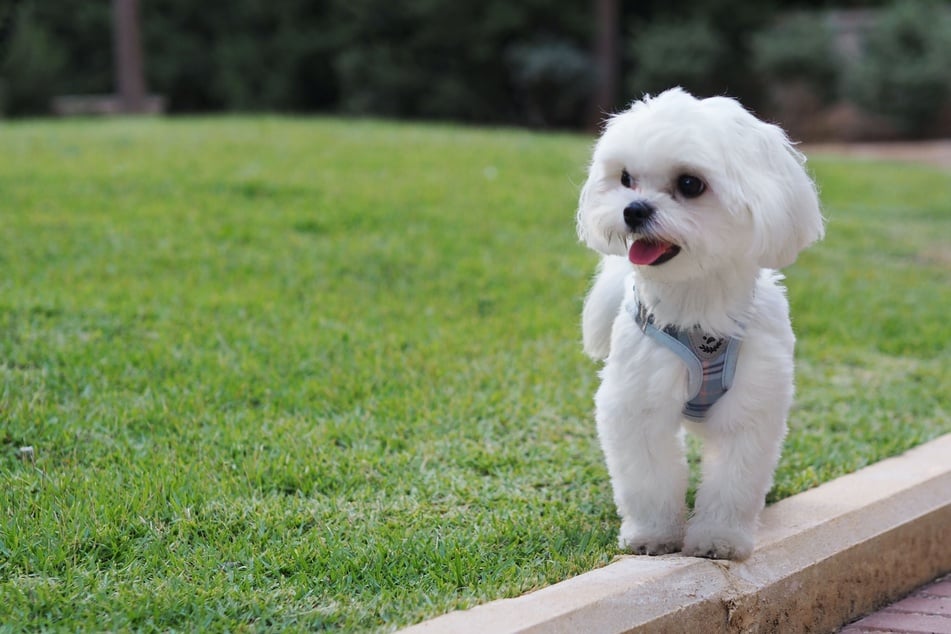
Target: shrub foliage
{"x": 492, "y": 61}
{"x": 903, "y": 72}
{"x": 800, "y": 48}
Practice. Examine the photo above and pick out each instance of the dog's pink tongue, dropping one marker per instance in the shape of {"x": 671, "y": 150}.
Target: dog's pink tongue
{"x": 646, "y": 251}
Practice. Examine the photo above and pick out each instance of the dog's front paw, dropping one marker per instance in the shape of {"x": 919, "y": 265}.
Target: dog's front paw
{"x": 718, "y": 542}
{"x": 638, "y": 542}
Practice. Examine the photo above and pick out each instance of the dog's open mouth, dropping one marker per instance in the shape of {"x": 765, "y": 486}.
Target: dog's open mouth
{"x": 651, "y": 251}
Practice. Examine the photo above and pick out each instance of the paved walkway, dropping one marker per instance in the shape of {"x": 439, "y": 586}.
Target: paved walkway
{"x": 927, "y": 610}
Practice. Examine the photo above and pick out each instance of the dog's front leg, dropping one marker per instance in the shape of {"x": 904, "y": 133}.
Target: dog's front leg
{"x": 646, "y": 460}
{"x": 737, "y": 472}
{"x": 602, "y": 304}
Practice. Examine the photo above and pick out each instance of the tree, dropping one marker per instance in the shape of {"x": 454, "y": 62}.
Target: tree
{"x": 130, "y": 77}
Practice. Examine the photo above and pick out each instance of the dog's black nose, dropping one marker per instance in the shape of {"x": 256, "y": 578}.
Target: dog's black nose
{"x": 637, "y": 213}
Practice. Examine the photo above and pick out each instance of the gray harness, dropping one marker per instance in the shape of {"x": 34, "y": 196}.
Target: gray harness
{"x": 710, "y": 360}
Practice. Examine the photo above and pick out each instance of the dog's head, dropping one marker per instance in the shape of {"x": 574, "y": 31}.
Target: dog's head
{"x": 684, "y": 187}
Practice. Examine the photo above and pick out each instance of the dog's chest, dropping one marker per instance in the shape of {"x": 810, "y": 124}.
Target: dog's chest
{"x": 641, "y": 365}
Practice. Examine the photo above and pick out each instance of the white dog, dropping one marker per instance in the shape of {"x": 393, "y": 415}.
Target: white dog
{"x": 692, "y": 203}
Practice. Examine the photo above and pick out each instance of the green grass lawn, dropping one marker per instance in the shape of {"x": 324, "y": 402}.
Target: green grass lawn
{"x": 306, "y": 374}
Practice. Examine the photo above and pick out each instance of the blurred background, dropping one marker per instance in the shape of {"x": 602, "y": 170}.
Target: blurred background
{"x": 827, "y": 70}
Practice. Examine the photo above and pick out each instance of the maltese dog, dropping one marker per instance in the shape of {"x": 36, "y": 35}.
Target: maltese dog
{"x": 693, "y": 204}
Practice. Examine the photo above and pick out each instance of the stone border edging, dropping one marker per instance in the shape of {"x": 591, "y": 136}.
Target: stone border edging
{"x": 822, "y": 558}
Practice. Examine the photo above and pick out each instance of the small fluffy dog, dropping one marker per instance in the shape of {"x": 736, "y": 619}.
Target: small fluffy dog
{"x": 693, "y": 204}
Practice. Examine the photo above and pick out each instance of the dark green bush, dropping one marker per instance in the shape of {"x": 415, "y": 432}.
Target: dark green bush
{"x": 56, "y": 49}
{"x": 474, "y": 61}
{"x": 241, "y": 55}
{"x": 245, "y": 55}
{"x": 554, "y": 81}
{"x": 32, "y": 61}
{"x": 488, "y": 61}
{"x": 418, "y": 58}
{"x": 798, "y": 49}
{"x": 904, "y": 70}
{"x": 685, "y": 54}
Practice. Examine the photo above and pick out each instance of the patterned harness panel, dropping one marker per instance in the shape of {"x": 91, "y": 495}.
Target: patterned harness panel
{"x": 710, "y": 361}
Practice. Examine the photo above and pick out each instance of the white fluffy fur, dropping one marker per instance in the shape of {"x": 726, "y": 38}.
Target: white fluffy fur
{"x": 759, "y": 210}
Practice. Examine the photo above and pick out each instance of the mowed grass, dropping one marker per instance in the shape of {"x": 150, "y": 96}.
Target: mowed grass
{"x": 306, "y": 374}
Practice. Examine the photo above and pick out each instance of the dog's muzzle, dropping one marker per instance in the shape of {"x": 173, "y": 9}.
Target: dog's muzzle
{"x": 646, "y": 250}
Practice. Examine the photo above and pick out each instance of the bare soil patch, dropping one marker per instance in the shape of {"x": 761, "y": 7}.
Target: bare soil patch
{"x": 931, "y": 152}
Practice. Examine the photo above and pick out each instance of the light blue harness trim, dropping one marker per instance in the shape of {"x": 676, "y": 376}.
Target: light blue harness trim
{"x": 710, "y": 361}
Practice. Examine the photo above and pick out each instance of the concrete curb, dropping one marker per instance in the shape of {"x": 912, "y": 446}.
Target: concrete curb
{"x": 823, "y": 558}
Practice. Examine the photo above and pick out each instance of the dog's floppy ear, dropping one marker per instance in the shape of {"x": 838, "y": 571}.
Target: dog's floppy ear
{"x": 582, "y": 204}
{"x": 587, "y": 214}
{"x": 779, "y": 194}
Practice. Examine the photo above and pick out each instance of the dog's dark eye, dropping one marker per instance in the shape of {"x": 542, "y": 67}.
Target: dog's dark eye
{"x": 625, "y": 178}
{"x": 690, "y": 186}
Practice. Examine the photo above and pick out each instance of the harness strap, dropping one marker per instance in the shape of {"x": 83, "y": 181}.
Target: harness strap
{"x": 711, "y": 361}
